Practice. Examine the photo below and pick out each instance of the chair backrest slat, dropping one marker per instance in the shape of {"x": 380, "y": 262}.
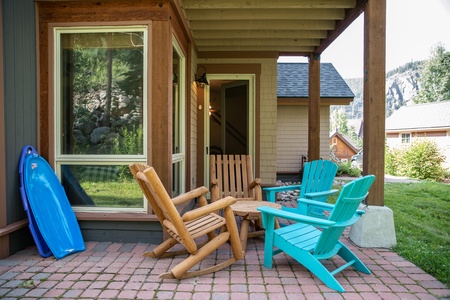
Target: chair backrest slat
{"x": 350, "y": 197}
{"x": 318, "y": 175}
{"x": 238, "y": 184}
{"x": 234, "y": 174}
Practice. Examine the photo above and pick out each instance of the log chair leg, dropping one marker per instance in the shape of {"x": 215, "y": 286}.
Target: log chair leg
{"x": 236, "y": 245}
{"x": 193, "y": 259}
{"x": 244, "y": 233}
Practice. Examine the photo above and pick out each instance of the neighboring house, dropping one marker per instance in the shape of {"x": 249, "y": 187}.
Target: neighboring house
{"x": 292, "y": 120}
{"x": 342, "y": 147}
{"x": 422, "y": 121}
{"x": 95, "y": 85}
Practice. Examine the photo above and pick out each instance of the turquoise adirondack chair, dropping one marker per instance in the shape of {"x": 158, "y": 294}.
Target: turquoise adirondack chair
{"x": 306, "y": 243}
{"x": 318, "y": 177}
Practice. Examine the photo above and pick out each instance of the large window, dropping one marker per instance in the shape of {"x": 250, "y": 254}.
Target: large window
{"x": 100, "y": 116}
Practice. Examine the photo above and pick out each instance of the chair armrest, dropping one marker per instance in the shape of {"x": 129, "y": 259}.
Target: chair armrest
{"x": 349, "y": 222}
{"x": 195, "y": 193}
{"x": 319, "y": 204}
{"x": 271, "y": 191}
{"x": 212, "y": 207}
{"x": 295, "y": 217}
{"x": 256, "y": 182}
{"x": 320, "y": 194}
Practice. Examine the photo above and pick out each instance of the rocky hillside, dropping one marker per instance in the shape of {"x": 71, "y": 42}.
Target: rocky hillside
{"x": 401, "y": 87}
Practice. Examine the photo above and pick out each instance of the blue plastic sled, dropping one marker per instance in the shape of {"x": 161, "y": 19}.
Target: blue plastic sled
{"x": 41, "y": 245}
{"x": 51, "y": 208}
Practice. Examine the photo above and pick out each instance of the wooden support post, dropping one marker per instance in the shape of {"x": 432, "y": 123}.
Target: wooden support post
{"x": 314, "y": 107}
{"x": 161, "y": 102}
{"x": 374, "y": 97}
{"x": 4, "y": 240}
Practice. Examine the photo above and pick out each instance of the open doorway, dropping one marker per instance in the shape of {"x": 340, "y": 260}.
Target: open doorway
{"x": 229, "y": 126}
{"x": 228, "y": 116}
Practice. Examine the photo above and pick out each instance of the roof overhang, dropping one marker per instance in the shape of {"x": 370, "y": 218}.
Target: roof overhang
{"x": 285, "y": 27}
{"x": 323, "y": 101}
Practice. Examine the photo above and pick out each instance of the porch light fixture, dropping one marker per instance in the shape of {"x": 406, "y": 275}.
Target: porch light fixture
{"x": 201, "y": 79}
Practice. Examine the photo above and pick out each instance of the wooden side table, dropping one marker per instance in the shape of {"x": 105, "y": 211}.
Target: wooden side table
{"x": 248, "y": 211}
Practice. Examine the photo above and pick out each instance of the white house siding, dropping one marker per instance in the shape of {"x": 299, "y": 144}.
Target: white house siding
{"x": 442, "y": 141}
{"x": 292, "y": 136}
{"x": 268, "y": 112}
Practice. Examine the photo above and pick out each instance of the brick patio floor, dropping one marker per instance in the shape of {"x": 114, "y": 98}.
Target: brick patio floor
{"x": 119, "y": 271}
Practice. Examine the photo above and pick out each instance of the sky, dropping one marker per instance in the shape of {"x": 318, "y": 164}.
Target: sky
{"x": 413, "y": 28}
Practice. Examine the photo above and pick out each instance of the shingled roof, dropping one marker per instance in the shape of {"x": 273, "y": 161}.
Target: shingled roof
{"x": 293, "y": 81}
{"x": 429, "y": 115}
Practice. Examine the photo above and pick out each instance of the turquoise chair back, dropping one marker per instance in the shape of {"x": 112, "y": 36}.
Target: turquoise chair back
{"x": 318, "y": 176}
{"x": 343, "y": 213}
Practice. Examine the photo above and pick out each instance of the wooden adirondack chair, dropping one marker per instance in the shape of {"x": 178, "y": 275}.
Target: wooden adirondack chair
{"x": 307, "y": 244}
{"x": 192, "y": 225}
{"x": 318, "y": 177}
{"x": 232, "y": 175}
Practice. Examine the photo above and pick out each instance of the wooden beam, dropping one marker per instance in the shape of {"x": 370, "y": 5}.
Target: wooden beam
{"x": 305, "y": 101}
{"x": 350, "y": 16}
{"x": 314, "y": 108}
{"x": 252, "y": 4}
{"x": 5, "y": 231}
{"x": 374, "y": 97}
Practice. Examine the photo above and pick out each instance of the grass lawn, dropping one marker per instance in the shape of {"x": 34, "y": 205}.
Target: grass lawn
{"x": 124, "y": 193}
{"x": 422, "y": 225}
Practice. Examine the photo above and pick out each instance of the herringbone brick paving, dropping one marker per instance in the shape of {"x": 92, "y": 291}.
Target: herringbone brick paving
{"x": 119, "y": 271}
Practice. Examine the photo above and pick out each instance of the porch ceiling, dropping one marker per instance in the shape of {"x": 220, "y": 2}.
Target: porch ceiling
{"x": 285, "y": 26}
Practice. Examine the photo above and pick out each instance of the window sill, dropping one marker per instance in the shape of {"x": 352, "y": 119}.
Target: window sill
{"x": 115, "y": 216}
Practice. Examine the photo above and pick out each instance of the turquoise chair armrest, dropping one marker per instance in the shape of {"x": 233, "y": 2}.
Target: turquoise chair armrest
{"x": 294, "y": 217}
{"x": 316, "y": 204}
{"x": 272, "y": 191}
{"x": 320, "y": 194}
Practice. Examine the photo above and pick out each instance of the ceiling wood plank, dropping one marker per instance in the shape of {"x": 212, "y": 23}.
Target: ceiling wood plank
{"x": 257, "y": 34}
{"x": 258, "y": 42}
{"x": 264, "y": 25}
{"x": 266, "y": 14}
{"x": 282, "y": 48}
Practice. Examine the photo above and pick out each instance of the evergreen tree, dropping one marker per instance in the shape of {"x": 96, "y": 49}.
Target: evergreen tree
{"x": 434, "y": 78}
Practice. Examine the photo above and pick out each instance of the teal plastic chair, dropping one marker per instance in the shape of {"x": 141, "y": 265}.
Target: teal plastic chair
{"x": 309, "y": 245}
{"x": 318, "y": 177}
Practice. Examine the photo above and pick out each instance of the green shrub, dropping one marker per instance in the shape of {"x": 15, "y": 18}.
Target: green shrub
{"x": 348, "y": 170}
{"x": 423, "y": 160}
{"x": 393, "y": 161}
